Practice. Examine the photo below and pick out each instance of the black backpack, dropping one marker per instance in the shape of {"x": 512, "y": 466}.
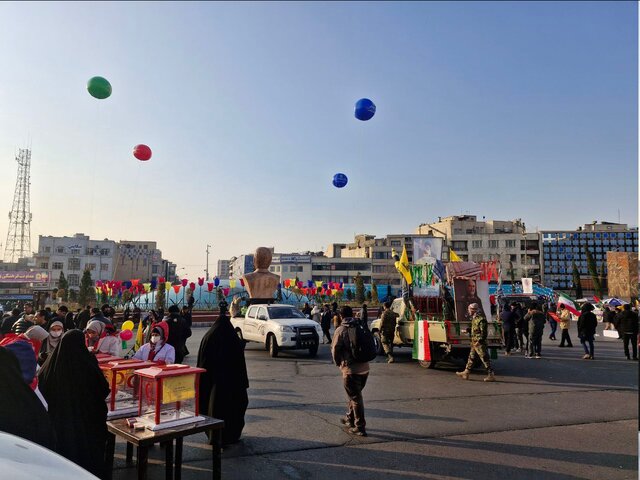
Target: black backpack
{"x": 363, "y": 345}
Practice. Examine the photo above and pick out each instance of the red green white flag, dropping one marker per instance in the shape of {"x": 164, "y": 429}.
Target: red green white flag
{"x": 568, "y": 303}
{"x": 421, "y": 350}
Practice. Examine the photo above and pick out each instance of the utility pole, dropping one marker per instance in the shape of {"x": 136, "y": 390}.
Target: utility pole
{"x": 207, "y": 270}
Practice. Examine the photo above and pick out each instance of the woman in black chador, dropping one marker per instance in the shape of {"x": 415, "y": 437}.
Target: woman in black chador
{"x": 223, "y": 387}
{"x": 75, "y": 389}
{"x": 21, "y": 411}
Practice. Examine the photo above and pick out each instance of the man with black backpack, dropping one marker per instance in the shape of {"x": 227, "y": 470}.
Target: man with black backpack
{"x": 352, "y": 349}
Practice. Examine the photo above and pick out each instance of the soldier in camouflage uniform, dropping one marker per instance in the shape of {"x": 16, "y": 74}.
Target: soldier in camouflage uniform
{"x": 388, "y": 330}
{"x": 478, "y": 332}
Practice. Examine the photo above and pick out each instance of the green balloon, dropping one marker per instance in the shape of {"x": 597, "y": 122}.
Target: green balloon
{"x": 99, "y": 87}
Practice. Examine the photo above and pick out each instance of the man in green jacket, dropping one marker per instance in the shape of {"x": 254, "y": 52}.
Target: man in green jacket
{"x": 479, "y": 349}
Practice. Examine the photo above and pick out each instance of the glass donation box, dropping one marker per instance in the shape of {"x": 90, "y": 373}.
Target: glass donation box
{"x": 123, "y": 399}
{"x": 168, "y": 396}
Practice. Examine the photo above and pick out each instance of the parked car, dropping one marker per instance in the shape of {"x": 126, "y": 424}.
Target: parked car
{"x": 278, "y": 327}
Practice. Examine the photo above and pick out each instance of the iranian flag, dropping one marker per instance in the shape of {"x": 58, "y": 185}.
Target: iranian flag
{"x": 421, "y": 350}
{"x": 568, "y": 303}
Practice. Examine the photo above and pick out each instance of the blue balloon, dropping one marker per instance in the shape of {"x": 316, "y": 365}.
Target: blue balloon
{"x": 365, "y": 109}
{"x": 216, "y": 281}
{"x": 340, "y": 180}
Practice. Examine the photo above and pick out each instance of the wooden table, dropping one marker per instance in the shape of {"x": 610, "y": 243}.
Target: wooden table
{"x": 145, "y": 438}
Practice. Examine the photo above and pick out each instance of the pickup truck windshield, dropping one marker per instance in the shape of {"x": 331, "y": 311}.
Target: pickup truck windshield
{"x": 284, "y": 312}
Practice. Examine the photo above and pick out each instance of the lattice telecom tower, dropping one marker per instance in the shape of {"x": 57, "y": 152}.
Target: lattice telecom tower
{"x": 19, "y": 235}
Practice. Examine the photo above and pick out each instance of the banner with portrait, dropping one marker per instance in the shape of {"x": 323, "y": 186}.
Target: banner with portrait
{"x": 426, "y": 250}
{"x": 468, "y": 291}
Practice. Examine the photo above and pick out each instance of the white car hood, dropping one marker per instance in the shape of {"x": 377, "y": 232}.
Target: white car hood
{"x": 296, "y": 322}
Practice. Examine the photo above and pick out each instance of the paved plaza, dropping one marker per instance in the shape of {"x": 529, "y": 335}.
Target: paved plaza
{"x": 559, "y": 417}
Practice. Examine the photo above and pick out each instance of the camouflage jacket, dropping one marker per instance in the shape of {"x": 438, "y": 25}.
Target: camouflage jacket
{"x": 478, "y": 329}
{"x": 388, "y": 321}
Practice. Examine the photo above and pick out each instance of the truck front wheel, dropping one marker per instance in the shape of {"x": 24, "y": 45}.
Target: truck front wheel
{"x": 272, "y": 345}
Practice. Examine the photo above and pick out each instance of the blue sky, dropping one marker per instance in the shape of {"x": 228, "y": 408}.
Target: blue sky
{"x": 500, "y": 109}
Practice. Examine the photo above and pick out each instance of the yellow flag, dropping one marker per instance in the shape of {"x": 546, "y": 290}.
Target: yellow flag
{"x": 232, "y": 283}
{"x": 167, "y": 286}
{"x": 402, "y": 264}
{"x": 453, "y": 257}
{"x": 139, "y": 337}
{"x": 147, "y": 287}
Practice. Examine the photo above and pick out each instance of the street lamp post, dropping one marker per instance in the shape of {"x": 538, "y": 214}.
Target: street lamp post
{"x": 207, "y": 270}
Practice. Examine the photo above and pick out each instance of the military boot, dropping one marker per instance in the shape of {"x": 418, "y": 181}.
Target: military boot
{"x": 464, "y": 375}
{"x": 490, "y": 377}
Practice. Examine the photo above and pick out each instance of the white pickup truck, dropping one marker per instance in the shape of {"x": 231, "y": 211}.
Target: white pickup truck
{"x": 278, "y": 327}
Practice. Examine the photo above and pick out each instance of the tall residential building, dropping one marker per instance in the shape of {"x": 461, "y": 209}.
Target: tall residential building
{"x": 319, "y": 268}
{"x": 72, "y": 255}
{"x": 223, "y": 269}
{"x": 138, "y": 259}
{"x": 561, "y": 248}
{"x": 478, "y": 241}
{"x": 238, "y": 266}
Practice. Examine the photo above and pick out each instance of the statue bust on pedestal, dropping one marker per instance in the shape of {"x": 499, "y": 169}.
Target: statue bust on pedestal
{"x": 261, "y": 283}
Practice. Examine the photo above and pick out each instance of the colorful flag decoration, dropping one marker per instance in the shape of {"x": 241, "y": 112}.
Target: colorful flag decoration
{"x": 139, "y": 337}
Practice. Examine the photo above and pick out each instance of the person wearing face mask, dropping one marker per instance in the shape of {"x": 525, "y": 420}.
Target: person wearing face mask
{"x": 102, "y": 338}
{"x": 56, "y": 329}
{"x": 157, "y": 350}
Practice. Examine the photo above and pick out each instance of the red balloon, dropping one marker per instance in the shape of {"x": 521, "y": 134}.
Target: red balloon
{"x": 142, "y": 152}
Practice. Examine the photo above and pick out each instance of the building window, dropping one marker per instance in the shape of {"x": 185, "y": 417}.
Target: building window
{"x": 90, "y": 266}
{"x": 59, "y": 249}
{"x": 44, "y": 265}
{"x": 476, "y": 243}
{"x": 47, "y": 249}
{"x": 285, "y": 269}
{"x": 381, "y": 255}
{"x": 104, "y": 251}
{"x": 476, "y": 257}
{"x": 509, "y": 243}
{"x": 75, "y": 251}
{"x": 74, "y": 264}
{"x": 57, "y": 265}
{"x": 461, "y": 246}
{"x": 104, "y": 267}
{"x": 154, "y": 269}
{"x": 494, "y": 243}
{"x": 396, "y": 243}
{"x": 513, "y": 258}
{"x": 73, "y": 280}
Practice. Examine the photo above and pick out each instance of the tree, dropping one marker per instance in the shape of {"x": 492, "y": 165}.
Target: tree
{"x": 593, "y": 271}
{"x": 374, "y": 293}
{"x": 359, "y": 288}
{"x": 73, "y": 296}
{"x": 87, "y": 293}
{"x": 63, "y": 285}
{"x": 349, "y": 295}
{"x": 603, "y": 277}
{"x": 161, "y": 295}
{"x": 576, "y": 280}
{"x": 369, "y": 296}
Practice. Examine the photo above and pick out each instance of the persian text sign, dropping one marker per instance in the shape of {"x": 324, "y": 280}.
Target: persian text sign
{"x": 24, "y": 277}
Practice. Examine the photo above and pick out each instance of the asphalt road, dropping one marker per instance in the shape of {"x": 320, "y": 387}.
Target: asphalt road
{"x": 559, "y": 417}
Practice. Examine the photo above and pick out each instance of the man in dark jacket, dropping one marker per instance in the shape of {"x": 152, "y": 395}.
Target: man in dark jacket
{"x": 508, "y": 328}
{"x": 325, "y": 323}
{"x": 96, "y": 314}
{"x": 60, "y": 316}
{"x": 522, "y": 329}
{"x": 354, "y": 374}
{"x": 628, "y": 327}
{"x": 83, "y": 317}
{"x": 177, "y": 332}
{"x": 536, "y": 320}
{"x": 587, "y": 323}
{"x": 8, "y": 322}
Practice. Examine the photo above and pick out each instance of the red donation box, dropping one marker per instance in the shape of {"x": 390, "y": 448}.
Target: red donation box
{"x": 105, "y": 358}
{"x": 123, "y": 399}
{"x": 168, "y": 396}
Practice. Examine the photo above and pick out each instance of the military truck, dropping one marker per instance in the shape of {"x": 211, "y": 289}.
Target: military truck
{"x": 448, "y": 338}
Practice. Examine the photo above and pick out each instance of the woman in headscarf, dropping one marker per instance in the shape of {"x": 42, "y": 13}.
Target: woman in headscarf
{"x": 223, "y": 387}
{"x": 75, "y": 388}
{"x": 102, "y": 338}
{"x": 157, "y": 349}
{"x": 56, "y": 329}
{"x": 587, "y": 323}
{"x": 21, "y": 412}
